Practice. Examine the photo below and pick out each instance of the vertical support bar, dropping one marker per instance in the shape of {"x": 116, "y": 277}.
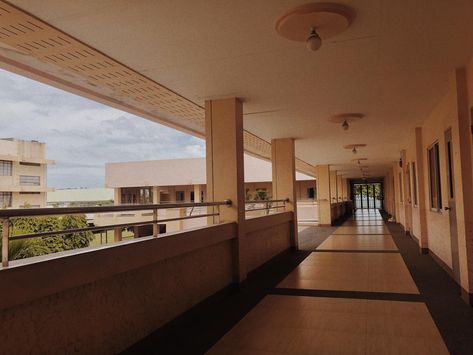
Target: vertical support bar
{"x": 5, "y": 240}
{"x": 155, "y": 222}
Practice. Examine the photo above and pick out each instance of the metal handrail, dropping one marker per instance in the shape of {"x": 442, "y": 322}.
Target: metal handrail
{"x": 7, "y": 214}
{"x": 48, "y": 211}
{"x": 268, "y": 203}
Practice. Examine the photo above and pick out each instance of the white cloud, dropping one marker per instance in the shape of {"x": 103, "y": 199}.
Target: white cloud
{"x": 82, "y": 135}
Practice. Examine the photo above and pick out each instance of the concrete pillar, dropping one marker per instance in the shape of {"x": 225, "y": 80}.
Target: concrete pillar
{"x": 117, "y": 196}
{"x": 333, "y": 194}
{"x": 422, "y": 203}
{"x": 197, "y": 193}
{"x": 156, "y": 195}
{"x": 283, "y": 160}
{"x": 117, "y": 200}
{"x": 323, "y": 194}
{"x": 464, "y": 187}
{"x": 225, "y": 167}
{"x": 407, "y": 196}
{"x": 339, "y": 188}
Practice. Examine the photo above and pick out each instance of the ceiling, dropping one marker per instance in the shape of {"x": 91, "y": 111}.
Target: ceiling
{"x": 392, "y": 64}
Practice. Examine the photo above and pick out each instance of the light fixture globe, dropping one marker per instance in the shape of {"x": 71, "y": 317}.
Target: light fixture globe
{"x": 320, "y": 20}
{"x": 314, "y": 42}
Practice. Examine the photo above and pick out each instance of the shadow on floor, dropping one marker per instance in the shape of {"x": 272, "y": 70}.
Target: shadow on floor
{"x": 441, "y": 293}
{"x": 198, "y": 329}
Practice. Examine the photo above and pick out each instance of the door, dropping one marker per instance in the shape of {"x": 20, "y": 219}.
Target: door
{"x": 451, "y": 204}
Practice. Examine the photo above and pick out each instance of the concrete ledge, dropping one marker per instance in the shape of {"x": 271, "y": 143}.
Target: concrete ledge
{"x": 265, "y": 222}
{"x": 34, "y": 278}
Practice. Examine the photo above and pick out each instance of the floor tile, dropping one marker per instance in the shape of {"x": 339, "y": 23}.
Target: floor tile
{"x": 359, "y": 242}
{"x": 320, "y": 325}
{"x": 364, "y": 272}
{"x": 362, "y": 230}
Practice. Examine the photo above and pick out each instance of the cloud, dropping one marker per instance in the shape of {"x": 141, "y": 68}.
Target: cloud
{"x": 82, "y": 135}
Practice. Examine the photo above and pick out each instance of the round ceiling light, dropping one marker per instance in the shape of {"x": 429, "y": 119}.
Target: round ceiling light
{"x": 314, "y": 22}
{"x": 353, "y": 147}
{"x": 345, "y": 119}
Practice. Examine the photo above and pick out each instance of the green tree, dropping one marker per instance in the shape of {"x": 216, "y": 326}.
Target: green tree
{"x": 25, "y": 248}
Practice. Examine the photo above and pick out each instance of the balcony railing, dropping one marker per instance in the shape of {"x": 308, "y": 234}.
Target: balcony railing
{"x": 7, "y": 214}
{"x": 265, "y": 205}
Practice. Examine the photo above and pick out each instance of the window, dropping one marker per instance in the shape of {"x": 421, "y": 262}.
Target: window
{"x": 311, "y": 192}
{"x": 5, "y": 168}
{"x": 434, "y": 178}
{"x": 179, "y": 196}
{"x": 27, "y": 180}
{"x": 192, "y": 196}
{"x": 30, "y": 193}
{"x": 414, "y": 183}
{"x": 137, "y": 195}
{"x": 401, "y": 192}
{"x": 29, "y": 164}
{"x": 5, "y": 199}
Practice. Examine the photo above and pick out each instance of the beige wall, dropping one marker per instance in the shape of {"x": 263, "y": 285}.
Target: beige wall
{"x": 18, "y": 151}
{"x": 445, "y": 115}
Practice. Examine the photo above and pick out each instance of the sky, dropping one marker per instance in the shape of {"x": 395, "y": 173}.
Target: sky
{"x": 82, "y": 135}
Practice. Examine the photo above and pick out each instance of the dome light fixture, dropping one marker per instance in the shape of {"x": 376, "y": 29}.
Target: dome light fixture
{"x": 313, "y": 42}
{"x": 354, "y": 150}
{"x": 319, "y": 20}
{"x": 345, "y": 125}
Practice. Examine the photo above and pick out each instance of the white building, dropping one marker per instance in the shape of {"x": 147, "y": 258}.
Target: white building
{"x": 23, "y": 173}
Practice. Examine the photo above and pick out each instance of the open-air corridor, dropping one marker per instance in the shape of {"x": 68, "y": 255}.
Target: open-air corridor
{"x": 364, "y": 290}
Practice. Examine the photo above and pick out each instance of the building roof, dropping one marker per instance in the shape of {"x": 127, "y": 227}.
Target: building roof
{"x": 176, "y": 172}
{"x": 80, "y": 195}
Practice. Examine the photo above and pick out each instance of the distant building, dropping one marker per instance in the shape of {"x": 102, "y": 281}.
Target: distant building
{"x": 184, "y": 180}
{"x": 23, "y": 173}
{"x": 80, "y": 197}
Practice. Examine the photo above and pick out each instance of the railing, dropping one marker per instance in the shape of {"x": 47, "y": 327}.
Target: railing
{"x": 7, "y": 214}
{"x": 267, "y": 205}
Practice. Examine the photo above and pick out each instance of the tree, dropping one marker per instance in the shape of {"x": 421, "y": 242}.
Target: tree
{"x": 25, "y": 248}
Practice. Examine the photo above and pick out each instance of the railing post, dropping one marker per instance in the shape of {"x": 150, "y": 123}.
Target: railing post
{"x": 5, "y": 241}
{"x": 155, "y": 222}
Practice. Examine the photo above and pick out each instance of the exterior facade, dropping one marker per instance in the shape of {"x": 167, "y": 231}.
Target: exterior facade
{"x": 184, "y": 180}
{"x": 80, "y": 197}
{"x": 23, "y": 173}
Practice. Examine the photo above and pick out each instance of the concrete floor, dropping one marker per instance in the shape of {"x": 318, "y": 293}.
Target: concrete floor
{"x": 294, "y": 324}
{"x": 343, "y": 294}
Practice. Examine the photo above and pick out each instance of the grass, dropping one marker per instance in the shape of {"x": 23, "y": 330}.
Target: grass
{"x": 108, "y": 238}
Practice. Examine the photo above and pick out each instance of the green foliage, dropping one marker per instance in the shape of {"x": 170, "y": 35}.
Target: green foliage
{"x": 25, "y": 248}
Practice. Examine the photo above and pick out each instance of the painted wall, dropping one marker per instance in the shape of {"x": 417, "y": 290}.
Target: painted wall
{"x": 447, "y": 114}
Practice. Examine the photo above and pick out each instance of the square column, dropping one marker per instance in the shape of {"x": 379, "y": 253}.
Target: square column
{"x": 464, "y": 184}
{"x": 225, "y": 167}
{"x": 323, "y": 194}
{"x": 339, "y": 188}
{"x": 283, "y": 160}
{"x": 156, "y": 195}
{"x": 333, "y": 186}
{"x": 117, "y": 200}
{"x": 421, "y": 188}
{"x": 197, "y": 193}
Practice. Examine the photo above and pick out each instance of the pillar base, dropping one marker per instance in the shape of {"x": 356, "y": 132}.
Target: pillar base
{"x": 424, "y": 251}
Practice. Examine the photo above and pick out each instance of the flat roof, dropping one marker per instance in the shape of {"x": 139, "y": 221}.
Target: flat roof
{"x": 175, "y": 172}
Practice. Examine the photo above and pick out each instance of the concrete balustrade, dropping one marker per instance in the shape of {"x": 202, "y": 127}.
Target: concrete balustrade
{"x": 103, "y": 300}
